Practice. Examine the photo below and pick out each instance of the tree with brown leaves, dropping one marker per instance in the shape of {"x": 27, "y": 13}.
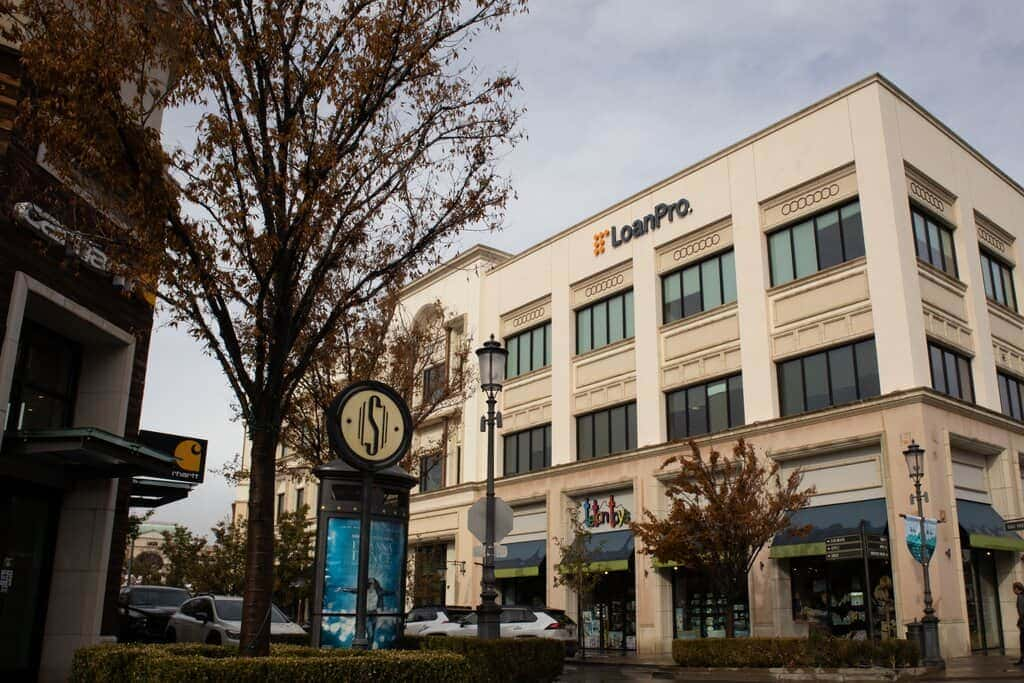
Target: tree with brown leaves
{"x": 340, "y": 147}
{"x": 574, "y": 557}
{"x": 723, "y": 511}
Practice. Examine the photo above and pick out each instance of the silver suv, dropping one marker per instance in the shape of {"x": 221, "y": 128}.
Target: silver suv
{"x": 217, "y": 620}
{"x": 421, "y": 618}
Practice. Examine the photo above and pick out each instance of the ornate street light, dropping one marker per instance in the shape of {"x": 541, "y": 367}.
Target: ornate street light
{"x": 930, "y": 652}
{"x": 492, "y": 372}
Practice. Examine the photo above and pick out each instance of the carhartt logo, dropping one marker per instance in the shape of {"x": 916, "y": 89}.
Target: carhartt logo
{"x": 599, "y": 238}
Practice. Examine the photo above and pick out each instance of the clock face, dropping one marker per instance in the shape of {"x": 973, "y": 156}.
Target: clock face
{"x": 370, "y": 425}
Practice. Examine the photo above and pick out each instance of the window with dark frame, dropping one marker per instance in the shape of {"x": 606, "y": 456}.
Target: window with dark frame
{"x": 1011, "y": 396}
{"x": 45, "y": 380}
{"x": 300, "y": 499}
{"x": 431, "y": 472}
{"x": 527, "y": 351}
{"x": 951, "y": 372}
{"x": 824, "y": 240}
{"x": 280, "y": 505}
{"x": 433, "y": 383}
{"x": 705, "y": 408}
{"x": 699, "y": 287}
{"x": 607, "y": 431}
{"x": 832, "y": 377}
{"x": 528, "y": 450}
{"x": 998, "y": 278}
{"x": 933, "y": 241}
{"x": 604, "y": 322}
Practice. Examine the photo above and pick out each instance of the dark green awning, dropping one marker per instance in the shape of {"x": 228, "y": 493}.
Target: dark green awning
{"x": 610, "y": 551}
{"x": 982, "y": 527}
{"x": 827, "y": 521}
{"x": 87, "y": 452}
{"x": 524, "y": 559}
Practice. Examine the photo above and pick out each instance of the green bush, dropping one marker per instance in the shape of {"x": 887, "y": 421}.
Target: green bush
{"x": 793, "y": 652}
{"x": 185, "y": 662}
{"x": 516, "y": 660}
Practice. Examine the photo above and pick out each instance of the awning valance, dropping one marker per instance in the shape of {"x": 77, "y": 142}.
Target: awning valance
{"x": 88, "y": 452}
{"x": 982, "y": 527}
{"x": 611, "y": 551}
{"x": 523, "y": 559}
{"x": 826, "y": 521}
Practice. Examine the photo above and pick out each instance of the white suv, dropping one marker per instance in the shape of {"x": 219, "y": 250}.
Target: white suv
{"x": 217, "y": 620}
{"x": 420, "y": 619}
{"x": 518, "y": 622}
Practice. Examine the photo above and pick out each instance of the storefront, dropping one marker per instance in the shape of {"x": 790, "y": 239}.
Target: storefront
{"x": 521, "y": 572}
{"x": 840, "y": 593}
{"x": 700, "y": 611}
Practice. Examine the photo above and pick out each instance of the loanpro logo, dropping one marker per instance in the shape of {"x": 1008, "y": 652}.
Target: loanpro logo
{"x": 641, "y": 226}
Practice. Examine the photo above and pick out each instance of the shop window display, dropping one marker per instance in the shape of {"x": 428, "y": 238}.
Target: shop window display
{"x": 701, "y": 612}
{"x": 832, "y": 597}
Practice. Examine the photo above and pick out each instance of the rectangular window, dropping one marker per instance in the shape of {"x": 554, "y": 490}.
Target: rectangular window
{"x": 998, "y": 278}
{"x": 280, "y": 505}
{"x": 1011, "y": 396}
{"x": 528, "y": 351}
{"x": 605, "y": 322}
{"x": 933, "y": 242}
{"x": 822, "y": 241}
{"x": 433, "y": 383}
{"x": 300, "y": 499}
{"x": 829, "y": 378}
{"x": 699, "y": 287}
{"x": 45, "y": 380}
{"x": 951, "y": 373}
{"x": 705, "y": 408}
{"x": 431, "y": 472}
{"x": 607, "y": 431}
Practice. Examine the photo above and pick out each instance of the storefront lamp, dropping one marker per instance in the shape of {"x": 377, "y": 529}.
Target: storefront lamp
{"x": 915, "y": 460}
{"x": 492, "y": 365}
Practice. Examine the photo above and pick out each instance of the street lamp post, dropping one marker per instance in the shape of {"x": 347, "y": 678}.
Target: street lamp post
{"x": 930, "y": 652}
{"x": 492, "y": 372}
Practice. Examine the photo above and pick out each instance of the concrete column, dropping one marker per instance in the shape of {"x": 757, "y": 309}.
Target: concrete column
{"x": 563, "y": 346}
{"x": 650, "y": 402}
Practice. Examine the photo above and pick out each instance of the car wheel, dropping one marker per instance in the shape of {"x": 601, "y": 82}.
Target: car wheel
{"x": 213, "y": 638}
{"x": 170, "y": 636}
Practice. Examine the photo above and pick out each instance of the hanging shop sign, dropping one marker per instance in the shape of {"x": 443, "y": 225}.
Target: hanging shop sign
{"x": 641, "y": 226}
{"x": 606, "y": 513}
{"x": 189, "y": 454}
{"x": 919, "y": 550}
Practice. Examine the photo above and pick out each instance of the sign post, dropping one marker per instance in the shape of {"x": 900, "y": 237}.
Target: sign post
{"x": 860, "y": 546}
{"x": 362, "y": 520}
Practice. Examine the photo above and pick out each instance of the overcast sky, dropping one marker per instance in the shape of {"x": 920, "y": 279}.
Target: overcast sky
{"x": 622, "y": 93}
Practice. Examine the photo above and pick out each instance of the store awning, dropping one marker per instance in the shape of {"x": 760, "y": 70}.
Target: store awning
{"x": 524, "y": 559}
{"x": 983, "y": 527}
{"x": 826, "y": 521}
{"x": 611, "y": 551}
{"x": 87, "y": 452}
{"x": 148, "y": 492}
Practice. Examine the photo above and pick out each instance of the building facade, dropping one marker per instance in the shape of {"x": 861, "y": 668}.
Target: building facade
{"x": 829, "y": 289}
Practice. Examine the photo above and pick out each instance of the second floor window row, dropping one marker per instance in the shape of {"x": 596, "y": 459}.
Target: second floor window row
{"x": 699, "y": 287}
{"x": 527, "y": 450}
{"x": 528, "y": 351}
{"x": 998, "y": 279}
{"x": 951, "y": 372}
{"x": 605, "y": 322}
{"x": 829, "y": 378}
{"x": 1011, "y": 396}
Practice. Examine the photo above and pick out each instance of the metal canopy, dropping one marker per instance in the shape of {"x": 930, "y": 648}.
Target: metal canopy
{"x": 151, "y": 493}
{"x": 523, "y": 559}
{"x": 983, "y": 527}
{"x": 87, "y": 452}
{"x": 826, "y": 521}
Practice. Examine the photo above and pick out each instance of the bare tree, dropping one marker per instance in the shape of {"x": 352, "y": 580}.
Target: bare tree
{"x": 341, "y": 147}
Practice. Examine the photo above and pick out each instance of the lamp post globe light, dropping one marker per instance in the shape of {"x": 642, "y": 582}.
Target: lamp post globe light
{"x": 930, "y": 652}
{"x": 492, "y": 371}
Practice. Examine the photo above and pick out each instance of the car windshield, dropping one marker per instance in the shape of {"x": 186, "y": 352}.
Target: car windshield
{"x": 158, "y": 597}
{"x": 231, "y": 610}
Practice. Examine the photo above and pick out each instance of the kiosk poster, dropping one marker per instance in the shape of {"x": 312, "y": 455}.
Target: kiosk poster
{"x": 912, "y": 525}
{"x": 383, "y": 590}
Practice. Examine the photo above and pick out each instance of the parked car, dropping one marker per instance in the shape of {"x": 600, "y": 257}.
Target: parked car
{"x": 143, "y": 611}
{"x": 518, "y": 622}
{"x": 421, "y": 618}
{"x": 217, "y": 620}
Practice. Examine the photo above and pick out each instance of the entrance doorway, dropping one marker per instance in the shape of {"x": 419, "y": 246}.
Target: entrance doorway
{"x": 28, "y": 531}
{"x": 609, "y": 615}
{"x": 981, "y": 584}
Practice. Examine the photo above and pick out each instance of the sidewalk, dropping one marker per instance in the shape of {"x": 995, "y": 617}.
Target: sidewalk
{"x": 991, "y": 668}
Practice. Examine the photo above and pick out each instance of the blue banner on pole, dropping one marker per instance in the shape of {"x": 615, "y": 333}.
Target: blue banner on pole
{"x": 912, "y": 524}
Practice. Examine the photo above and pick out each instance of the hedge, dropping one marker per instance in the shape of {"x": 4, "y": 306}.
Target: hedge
{"x": 516, "y": 660}
{"x": 793, "y": 652}
{"x": 213, "y": 664}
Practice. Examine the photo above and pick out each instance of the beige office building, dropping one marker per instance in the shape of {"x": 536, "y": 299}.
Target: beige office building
{"x": 829, "y": 288}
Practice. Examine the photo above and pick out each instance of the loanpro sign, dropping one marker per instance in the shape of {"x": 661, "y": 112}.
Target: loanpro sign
{"x": 641, "y": 226}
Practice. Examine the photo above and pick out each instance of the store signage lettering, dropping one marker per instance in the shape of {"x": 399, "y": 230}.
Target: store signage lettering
{"x": 598, "y": 513}
{"x": 46, "y": 225}
{"x": 641, "y": 226}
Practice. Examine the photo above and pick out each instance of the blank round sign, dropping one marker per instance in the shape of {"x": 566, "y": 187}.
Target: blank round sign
{"x": 370, "y": 425}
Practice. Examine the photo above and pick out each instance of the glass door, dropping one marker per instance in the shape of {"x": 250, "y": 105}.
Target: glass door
{"x": 27, "y": 538}
{"x": 981, "y": 586}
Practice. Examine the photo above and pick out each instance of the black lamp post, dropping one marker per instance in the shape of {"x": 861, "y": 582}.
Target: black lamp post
{"x": 930, "y": 652}
{"x": 492, "y": 372}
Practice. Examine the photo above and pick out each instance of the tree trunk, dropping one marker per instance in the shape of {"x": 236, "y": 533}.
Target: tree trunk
{"x": 259, "y": 561}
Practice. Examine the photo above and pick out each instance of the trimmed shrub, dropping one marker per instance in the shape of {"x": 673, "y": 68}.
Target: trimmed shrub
{"x": 517, "y": 660}
{"x": 176, "y": 663}
{"x": 793, "y": 652}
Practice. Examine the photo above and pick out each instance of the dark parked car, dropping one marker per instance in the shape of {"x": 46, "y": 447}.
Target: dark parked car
{"x": 143, "y": 611}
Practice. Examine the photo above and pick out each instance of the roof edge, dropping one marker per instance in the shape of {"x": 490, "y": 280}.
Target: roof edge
{"x": 440, "y": 270}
